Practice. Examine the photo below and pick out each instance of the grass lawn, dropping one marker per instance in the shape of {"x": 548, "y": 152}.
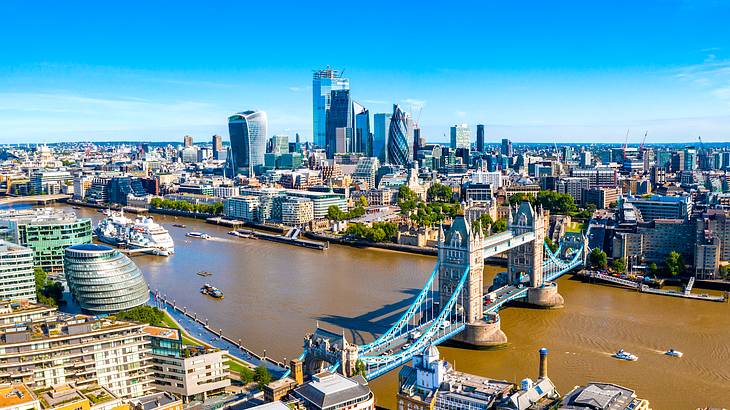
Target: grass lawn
{"x": 576, "y": 227}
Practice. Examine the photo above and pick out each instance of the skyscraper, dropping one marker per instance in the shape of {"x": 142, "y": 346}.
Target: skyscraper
{"x": 323, "y": 83}
{"x": 339, "y": 115}
{"x": 362, "y": 131}
{"x": 506, "y": 147}
{"x": 280, "y": 144}
{"x": 380, "y": 136}
{"x": 400, "y": 138}
{"x": 217, "y": 143}
{"x": 480, "y": 137}
{"x": 460, "y": 136}
{"x": 188, "y": 141}
{"x": 247, "y": 131}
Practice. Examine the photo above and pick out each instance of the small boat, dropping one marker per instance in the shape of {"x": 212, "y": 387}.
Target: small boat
{"x": 203, "y": 273}
{"x": 624, "y": 355}
{"x": 674, "y": 353}
{"x": 179, "y": 225}
{"x": 76, "y": 207}
{"x": 211, "y": 291}
{"x": 198, "y": 235}
{"x": 239, "y": 234}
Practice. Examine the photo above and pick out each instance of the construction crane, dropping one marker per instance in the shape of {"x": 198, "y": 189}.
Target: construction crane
{"x": 641, "y": 147}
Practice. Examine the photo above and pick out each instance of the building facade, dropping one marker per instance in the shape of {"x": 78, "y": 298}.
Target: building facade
{"x": 17, "y": 280}
{"x": 248, "y": 136}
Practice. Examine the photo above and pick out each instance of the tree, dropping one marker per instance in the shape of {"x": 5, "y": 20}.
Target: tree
{"x": 500, "y": 225}
{"x": 143, "y": 314}
{"x": 246, "y": 375}
{"x": 262, "y": 376}
{"x": 598, "y": 259}
{"x": 653, "y": 269}
{"x": 360, "y": 368}
{"x": 517, "y": 199}
{"x": 674, "y": 264}
{"x": 552, "y": 245}
{"x": 440, "y": 192}
{"x": 48, "y": 292}
{"x": 618, "y": 265}
{"x": 363, "y": 201}
{"x": 334, "y": 213}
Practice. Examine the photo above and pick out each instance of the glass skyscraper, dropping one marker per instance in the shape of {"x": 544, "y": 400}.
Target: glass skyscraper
{"x": 380, "y": 137}
{"x": 247, "y": 132}
{"x": 460, "y": 136}
{"x": 323, "y": 83}
{"x": 480, "y": 137}
{"x": 339, "y": 116}
{"x": 400, "y": 138}
{"x": 362, "y": 132}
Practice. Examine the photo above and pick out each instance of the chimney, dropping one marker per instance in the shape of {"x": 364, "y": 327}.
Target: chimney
{"x": 296, "y": 371}
{"x": 543, "y": 363}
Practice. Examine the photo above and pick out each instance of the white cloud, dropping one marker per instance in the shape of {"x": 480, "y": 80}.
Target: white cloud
{"x": 415, "y": 103}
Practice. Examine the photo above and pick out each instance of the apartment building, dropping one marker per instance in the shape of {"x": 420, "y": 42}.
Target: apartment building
{"x": 17, "y": 280}
{"x": 190, "y": 372}
{"x": 57, "y": 348}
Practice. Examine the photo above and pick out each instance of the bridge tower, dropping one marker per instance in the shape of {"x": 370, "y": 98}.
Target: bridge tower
{"x": 525, "y": 261}
{"x": 460, "y": 250}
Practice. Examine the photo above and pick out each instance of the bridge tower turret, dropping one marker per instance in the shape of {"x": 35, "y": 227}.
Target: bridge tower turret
{"x": 525, "y": 261}
{"x": 462, "y": 249}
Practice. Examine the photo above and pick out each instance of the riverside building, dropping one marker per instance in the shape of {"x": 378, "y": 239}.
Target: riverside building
{"x": 47, "y": 232}
{"x": 74, "y": 349}
{"x": 103, "y": 280}
{"x": 17, "y": 280}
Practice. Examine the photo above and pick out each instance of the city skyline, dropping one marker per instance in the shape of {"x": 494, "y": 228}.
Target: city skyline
{"x": 533, "y": 74}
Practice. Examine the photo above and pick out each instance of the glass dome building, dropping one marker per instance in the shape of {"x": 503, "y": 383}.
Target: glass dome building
{"x": 103, "y": 280}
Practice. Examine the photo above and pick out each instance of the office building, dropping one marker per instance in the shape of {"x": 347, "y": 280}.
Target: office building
{"x": 216, "y": 141}
{"x": 366, "y": 170}
{"x": 248, "y": 136}
{"x": 602, "y": 198}
{"x": 712, "y": 247}
{"x": 296, "y": 211}
{"x": 17, "y": 280}
{"x": 661, "y": 207}
{"x": 597, "y": 177}
{"x": 75, "y": 349}
{"x": 339, "y": 120}
{"x": 586, "y": 159}
{"x": 187, "y": 141}
{"x": 380, "y": 136}
{"x": 506, "y": 147}
{"x": 400, "y": 138}
{"x": 323, "y": 83}
{"x": 332, "y": 391}
{"x": 362, "y": 133}
{"x": 321, "y": 201}
{"x": 48, "y": 182}
{"x": 573, "y": 186}
{"x": 47, "y": 231}
{"x": 480, "y": 137}
{"x": 242, "y": 207}
{"x": 460, "y": 136}
{"x": 103, "y": 280}
{"x": 190, "y": 372}
{"x": 279, "y": 144}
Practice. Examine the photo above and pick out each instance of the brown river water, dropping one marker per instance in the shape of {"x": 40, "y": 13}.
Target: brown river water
{"x": 275, "y": 293}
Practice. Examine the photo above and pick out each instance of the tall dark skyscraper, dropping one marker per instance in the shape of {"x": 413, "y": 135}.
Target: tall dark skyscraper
{"x": 323, "y": 83}
{"x": 362, "y": 131}
{"x": 247, "y": 131}
{"x": 480, "y": 137}
{"x": 187, "y": 141}
{"x": 217, "y": 142}
{"x": 339, "y": 116}
{"x": 416, "y": 142}
{"x": 506, "y": 147}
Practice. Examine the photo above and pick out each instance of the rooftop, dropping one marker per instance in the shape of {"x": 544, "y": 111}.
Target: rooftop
{"x": 604, "y": 396}
{"x": 163, "y": 332}
{"x": 329, "y": 389}
{"x": 14, "y": 395}
{"x": 153, "y": 401}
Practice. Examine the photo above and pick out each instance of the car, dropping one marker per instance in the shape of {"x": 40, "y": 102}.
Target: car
{"x": 414, "y": 335}
{"x": 405, "y": 346}
{"x": 445, "y": 324}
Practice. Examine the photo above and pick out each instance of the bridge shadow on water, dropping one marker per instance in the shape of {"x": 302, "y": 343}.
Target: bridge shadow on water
{"x": 367, "y": 326}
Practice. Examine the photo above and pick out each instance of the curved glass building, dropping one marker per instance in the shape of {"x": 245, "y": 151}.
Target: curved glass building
{"x": 400, "y": 141}
{"x": 247, "y": 132}
{"x": 103, "y": 280}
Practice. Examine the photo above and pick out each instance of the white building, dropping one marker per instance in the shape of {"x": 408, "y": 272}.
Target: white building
{"x": 296, "y": 211}
{"x": 17, "y": 280}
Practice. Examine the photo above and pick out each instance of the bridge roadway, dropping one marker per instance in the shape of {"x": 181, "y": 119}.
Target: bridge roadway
{"x": 33, "y": 199}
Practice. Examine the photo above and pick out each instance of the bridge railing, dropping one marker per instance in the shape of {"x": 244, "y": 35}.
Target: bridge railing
{"x": 396, "y": 329}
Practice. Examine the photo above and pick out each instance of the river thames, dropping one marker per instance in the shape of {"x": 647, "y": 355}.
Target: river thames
{"x": 275, "y": 293}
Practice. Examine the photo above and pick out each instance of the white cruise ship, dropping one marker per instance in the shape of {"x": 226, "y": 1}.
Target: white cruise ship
{"x": 140, "y": 233}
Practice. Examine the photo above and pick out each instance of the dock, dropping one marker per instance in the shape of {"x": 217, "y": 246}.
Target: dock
{"x": 231, "y": 223}
{"x": 290, "y": 238}
{"x": 687, "y": 293}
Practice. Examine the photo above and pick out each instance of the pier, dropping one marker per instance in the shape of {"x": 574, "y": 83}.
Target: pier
{"x": 290, "y": 238}
{"x": 687, "y": 293}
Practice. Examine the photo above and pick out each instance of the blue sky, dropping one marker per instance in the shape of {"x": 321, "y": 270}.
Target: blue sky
{"x": 532, "y": 71}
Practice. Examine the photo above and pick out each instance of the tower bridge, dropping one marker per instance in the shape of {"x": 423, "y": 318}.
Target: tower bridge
{"x": 453, "y": 305}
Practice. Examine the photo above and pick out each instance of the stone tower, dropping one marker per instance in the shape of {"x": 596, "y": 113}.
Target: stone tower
{"x": 525, "y": 261}
{"x": 461, "y": 249}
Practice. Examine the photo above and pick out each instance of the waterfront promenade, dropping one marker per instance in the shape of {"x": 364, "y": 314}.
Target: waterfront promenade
{"x": 198, "y": 328}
